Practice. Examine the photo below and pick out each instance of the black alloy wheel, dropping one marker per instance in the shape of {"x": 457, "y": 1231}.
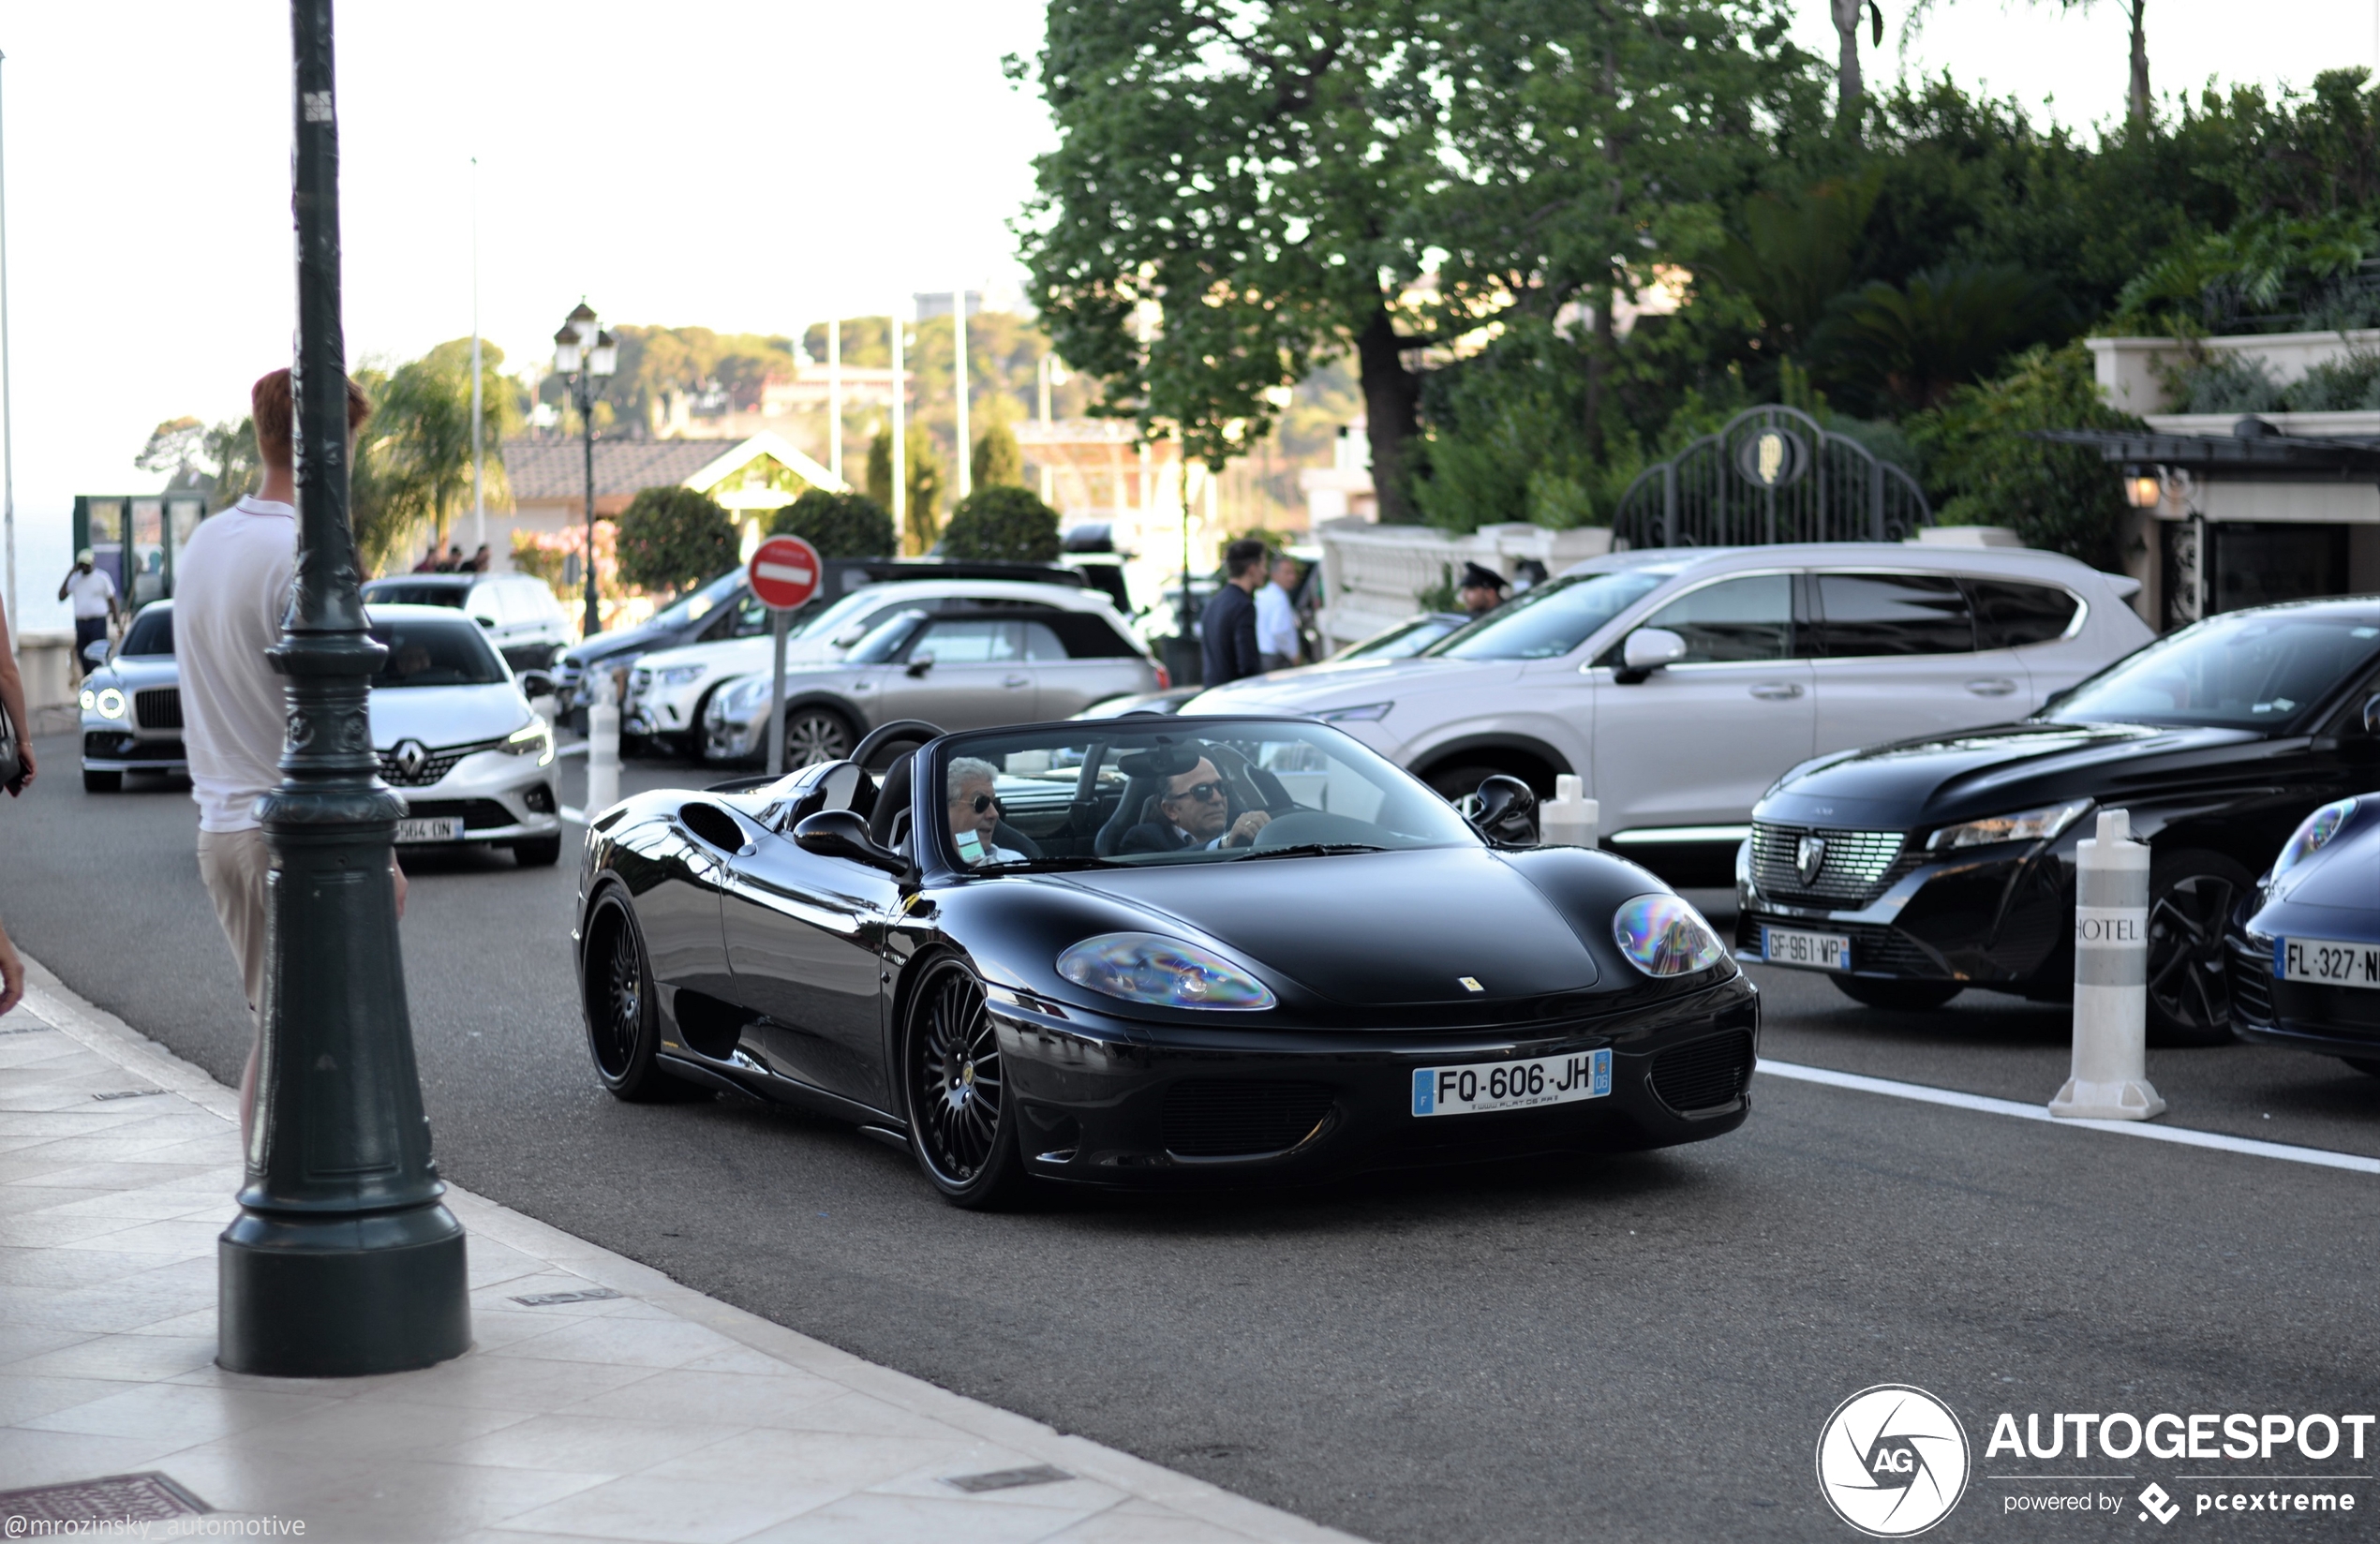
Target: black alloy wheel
{"x": 1905, "y": 996}
{"x": 815, "y": 734}
{"x": 2191, "y": 895}
{"x": 961, "y": 1125}
{"x": 623, "y": 1011}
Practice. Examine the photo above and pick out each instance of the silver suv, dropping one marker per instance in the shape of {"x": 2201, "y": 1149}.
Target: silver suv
{"x": 1679, "y": 684}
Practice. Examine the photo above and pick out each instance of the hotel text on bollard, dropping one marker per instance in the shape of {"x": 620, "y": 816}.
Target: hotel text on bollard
{"x": 602, "y": 746}
{"x": 2110, "y": 1080}
{"x": 1568, "y": 819}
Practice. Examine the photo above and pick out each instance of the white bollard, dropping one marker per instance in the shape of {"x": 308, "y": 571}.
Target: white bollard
{"x": 2110, "y": 1079}
{"x": 1567, "y": 819}
{"x": 603, "y": 747}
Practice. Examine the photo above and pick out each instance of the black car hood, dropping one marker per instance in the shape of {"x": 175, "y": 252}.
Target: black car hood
{"x": 1373, "y": 928}
{"x": 1981, "y": 772}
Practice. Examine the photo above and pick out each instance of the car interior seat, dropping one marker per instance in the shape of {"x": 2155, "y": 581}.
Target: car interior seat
{"x": 892, "y": 803}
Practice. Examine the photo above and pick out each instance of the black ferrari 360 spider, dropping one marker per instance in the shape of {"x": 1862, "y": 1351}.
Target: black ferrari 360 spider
{"x": 1150, "y": 950}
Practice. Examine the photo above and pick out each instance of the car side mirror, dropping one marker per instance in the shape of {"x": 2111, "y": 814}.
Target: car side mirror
{"x": 536, "y": 683}
{"x": 1508, "y": 810}
{"x": 487, "y": 622}
{"x": 841, "y": 834}
{"x": 921, "y": 665}
{"x": 1646, "y": 650}
{"x": 96, "y": 651}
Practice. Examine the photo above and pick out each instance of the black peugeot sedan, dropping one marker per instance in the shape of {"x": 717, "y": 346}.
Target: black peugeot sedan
{"x": 1153, "y": 950}
{"x": 1913, "y": 871}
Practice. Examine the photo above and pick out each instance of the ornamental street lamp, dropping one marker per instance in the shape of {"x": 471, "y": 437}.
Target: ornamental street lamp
{"x": 343, "y": 1261}
{"x": 587, "y": 356}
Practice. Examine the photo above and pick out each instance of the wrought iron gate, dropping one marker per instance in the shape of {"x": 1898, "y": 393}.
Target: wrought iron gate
{"x": 1771, "y": 475}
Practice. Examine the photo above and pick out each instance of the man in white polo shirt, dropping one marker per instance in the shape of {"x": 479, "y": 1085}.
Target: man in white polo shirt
{"x": 92, "y": 589}
{"x": 231, "y": 587}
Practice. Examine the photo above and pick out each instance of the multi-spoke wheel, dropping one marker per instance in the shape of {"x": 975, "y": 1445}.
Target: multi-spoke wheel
{"x": 961, "y": 1125}
{"x": 2191, "y": 895}
{"x": 815, "y": 734}
{"x": 623, "y": 1019}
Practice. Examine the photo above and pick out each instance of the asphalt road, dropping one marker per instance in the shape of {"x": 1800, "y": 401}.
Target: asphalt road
{"x": 1634, "y": 1349}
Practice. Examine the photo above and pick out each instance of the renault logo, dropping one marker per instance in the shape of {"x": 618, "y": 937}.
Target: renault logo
{"x": 1809, "y": 856}
{"x": 410, "y": 756}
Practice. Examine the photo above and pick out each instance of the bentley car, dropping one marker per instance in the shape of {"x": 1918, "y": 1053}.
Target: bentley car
{"x": 1912, "y": 870}
{"x": 2305, "y": 948}
{"x": 132, "y": 706}
{"x": 1143, "y": 951}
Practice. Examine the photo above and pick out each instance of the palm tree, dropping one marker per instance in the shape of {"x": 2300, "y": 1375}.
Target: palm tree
{"x": 412, "y": 463}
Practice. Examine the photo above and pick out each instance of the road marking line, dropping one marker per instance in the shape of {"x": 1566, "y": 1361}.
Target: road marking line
{"x": 2319, "y": 1157}
{"x": 576, "y": 748}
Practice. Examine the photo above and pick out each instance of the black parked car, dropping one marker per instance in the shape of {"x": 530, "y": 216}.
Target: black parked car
{"x": 1913, "y": 871}
{"x": 1005, "y": 953}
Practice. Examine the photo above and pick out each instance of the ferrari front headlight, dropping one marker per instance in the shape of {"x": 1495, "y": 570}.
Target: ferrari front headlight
{"x": 111, "y": 702}
{"x": 2040, "y": 825}
{"x": 1165, "y": 971}
{"x": 1663, "y": 936}
{"x": 2312, "y": 835}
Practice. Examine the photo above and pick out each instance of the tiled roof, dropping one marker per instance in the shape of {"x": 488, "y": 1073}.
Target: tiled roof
{"x": 546, "y": 471}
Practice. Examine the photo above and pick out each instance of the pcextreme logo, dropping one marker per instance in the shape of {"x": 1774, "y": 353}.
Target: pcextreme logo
{"x": 1891, "y": 1461}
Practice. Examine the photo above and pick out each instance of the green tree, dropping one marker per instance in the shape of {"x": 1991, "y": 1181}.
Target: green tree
{"x": 413, "y": 457}
{"x": 997, "y": 462}
{"x": 839, "y": 525}
{"x": 672, "y": 539}
{"x": 924, "y": 510}
{"x": 231, "y": 446}
{"x": 173, "y": 447}
{"x": 1908, "y": 347}
{"x": 1002, "y": 523}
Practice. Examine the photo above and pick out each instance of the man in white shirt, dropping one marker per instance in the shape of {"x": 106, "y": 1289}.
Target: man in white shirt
{"x": 1277, "y": 616}
{"x": 92, "y": 589}
{"x": 231, "y": 587}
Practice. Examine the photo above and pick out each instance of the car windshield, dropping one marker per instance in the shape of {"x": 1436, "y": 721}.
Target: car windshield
{"x": 2247, "y": 670}
{"x": 434, "y": 653}
{"x": 152, "y": 633}
{"x": 701, "y": 603}
{"x": 397, "y": 592}
{"x": 1403, "y": 640}
{"x": 1550, "y": 620}
{"x": 1117, "y": 792}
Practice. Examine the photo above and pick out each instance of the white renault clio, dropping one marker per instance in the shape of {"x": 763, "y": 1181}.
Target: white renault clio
{"x": 1679, "y": 684}
{"x": 458, "y": 738}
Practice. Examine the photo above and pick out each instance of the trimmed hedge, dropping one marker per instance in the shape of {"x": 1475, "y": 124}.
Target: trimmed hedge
{"x": 839, "y": 525}
{"x": 1002, "y": 524}
{"x": 672, "y": 539}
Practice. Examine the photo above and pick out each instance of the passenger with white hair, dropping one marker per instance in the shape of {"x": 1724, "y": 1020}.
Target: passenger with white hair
{"x": 975, "y": 813}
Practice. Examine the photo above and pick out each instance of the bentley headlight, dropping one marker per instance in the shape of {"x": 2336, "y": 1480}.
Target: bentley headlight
{"x": 681, "y": 675}
{"x": 2314, "y": 835}
{"x": 90, "y": 699}
{"x": 111, "y": 702}
{"x": 1368, "y": 713}
{"x": 2026, "y": 826}
{"x": 1662, "y": 935}
{"x": 1147, "y": 968}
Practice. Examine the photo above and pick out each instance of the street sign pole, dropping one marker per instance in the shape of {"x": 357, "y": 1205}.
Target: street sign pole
{"x": 777, "y": 620}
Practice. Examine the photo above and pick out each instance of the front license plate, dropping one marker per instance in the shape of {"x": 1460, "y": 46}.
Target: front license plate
{"x": 1485, "y": 1086}
{"x": 2331, "y": 964}
{"x": 440, "y": 829}
{"x": 1812, "y": 951}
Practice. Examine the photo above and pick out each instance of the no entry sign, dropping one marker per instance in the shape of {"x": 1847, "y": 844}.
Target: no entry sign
{"x": 784, "y": 572}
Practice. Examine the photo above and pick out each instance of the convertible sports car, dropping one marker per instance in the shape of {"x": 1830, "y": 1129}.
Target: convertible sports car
{"x": 1145, "y": 951}
{"x": 2305, "y": 948}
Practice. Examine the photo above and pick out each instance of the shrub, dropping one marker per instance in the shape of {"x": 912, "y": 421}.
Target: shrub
{"x": 1002, "y": 524}
{"x": 998, "y": 461}
{"x": 2340, "y": 385}
{"x": 2225, "y": 384}
{"x": 839, "y": 525}
{"x": 672, "y": 539}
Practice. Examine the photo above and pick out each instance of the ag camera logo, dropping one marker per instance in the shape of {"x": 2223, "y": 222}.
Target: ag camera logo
{"x": 1891, "y": 1461}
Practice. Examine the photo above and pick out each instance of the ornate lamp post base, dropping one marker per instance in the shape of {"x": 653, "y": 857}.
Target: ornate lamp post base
{"x": 343, "y": 1297}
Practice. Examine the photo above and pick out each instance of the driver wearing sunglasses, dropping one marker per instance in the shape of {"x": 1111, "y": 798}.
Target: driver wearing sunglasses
{"x": 975, "y": 813}
{"x": 1194, "y": 811}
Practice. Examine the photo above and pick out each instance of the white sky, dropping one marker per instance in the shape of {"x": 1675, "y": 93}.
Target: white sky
{"x": 737, "y": 164}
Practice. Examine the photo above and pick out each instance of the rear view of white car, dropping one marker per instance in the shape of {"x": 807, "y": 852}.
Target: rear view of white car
{"x": 456, "y": 737}
{"x": 1679, "y": 684}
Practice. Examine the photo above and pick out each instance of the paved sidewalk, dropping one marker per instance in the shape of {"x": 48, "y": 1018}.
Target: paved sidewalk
{"x": 639, "y": 1411}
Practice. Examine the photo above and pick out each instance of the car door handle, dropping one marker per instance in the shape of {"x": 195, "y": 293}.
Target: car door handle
{"x": 1016, "y": 680}
{"x": 1992, "y": 686}
{"x": 1777, "y": 692}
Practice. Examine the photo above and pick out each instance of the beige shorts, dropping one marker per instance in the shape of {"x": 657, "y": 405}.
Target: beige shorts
{"x": 234, "y": 864}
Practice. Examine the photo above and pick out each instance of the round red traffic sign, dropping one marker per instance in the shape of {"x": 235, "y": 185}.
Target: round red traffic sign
{"x": 784, "y": 572}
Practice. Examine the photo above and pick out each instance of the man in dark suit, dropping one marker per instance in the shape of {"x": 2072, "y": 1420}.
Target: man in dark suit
{"x": 1193, "y": 811}
{"x": 1227, "y": 629}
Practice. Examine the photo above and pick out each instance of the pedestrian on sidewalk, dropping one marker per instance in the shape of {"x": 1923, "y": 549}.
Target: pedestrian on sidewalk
{"x": 1277, "y": 615}
{"x": 17, "y": 731}
{"x": 92, "y": 589}
{"x": 232, "y": 590}
{"x": 1227, "y": 627}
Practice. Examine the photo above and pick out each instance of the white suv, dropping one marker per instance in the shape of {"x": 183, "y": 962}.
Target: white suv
{"x": 669, "y": 688}
{"x": 1678, "y": 684}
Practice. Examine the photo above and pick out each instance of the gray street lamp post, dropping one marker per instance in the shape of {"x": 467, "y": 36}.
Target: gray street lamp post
{"x": 344, "y": 1260}
{"x": 587, "y": 356}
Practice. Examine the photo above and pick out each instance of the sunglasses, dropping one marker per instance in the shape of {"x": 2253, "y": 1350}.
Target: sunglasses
{"x": 980, "y": 803}
{"x": 1202, "y": 792}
